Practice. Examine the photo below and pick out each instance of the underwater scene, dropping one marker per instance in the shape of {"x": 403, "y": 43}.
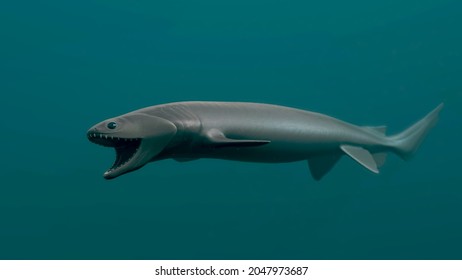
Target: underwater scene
{"x": 65, "y": 66}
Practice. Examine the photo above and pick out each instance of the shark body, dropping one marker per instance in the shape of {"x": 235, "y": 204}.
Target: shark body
{"x": 253, "y": 132}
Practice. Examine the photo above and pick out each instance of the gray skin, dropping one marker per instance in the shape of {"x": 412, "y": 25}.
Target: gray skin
{"x": 250, "y": 132}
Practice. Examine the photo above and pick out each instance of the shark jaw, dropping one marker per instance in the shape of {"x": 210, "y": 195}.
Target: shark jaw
{"x": 127, "y": 152}
{"x": 136, "y": 137}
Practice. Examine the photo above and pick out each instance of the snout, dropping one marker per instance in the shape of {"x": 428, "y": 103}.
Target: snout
{"x": 92, "y": 131}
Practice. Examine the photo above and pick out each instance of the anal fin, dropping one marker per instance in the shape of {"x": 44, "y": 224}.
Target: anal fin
{"x": 321, "y": 165}
{"x": 362, "y": 156}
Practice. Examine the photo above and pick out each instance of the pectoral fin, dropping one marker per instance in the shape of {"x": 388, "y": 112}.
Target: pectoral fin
{"x": 362, "y": 156}
{"x": 321, "y": 165}
{"x": 380, "y": 158}
{"x": 218, "y": 139}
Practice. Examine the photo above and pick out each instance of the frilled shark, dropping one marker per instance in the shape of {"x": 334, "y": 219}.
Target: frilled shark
{"x": 252, "y": 132}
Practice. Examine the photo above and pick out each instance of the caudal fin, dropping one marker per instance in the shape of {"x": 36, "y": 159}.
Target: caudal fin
{"x": 407, "y": 142}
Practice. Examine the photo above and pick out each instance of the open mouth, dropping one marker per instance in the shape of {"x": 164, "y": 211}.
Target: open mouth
{"x": 125, "y": 148}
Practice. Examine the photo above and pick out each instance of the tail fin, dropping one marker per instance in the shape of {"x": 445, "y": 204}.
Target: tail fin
{"x": 407, "y": 142}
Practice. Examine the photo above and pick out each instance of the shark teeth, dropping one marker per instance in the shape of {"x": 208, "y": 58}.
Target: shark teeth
{"x": 124, "y": 162}
{"x": 126, "y": 148}
{"x": 93, "y": 137}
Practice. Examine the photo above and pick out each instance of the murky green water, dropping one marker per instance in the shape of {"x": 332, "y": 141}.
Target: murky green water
{"x": 66, "y": 65}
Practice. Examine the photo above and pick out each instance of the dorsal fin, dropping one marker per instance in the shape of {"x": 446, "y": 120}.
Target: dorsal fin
{"x": 362, "y": 156}
{"x": 382, "y": 129}
{"x": 217, "y": 138}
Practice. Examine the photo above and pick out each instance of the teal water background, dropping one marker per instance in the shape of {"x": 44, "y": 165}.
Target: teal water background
{"x": 66, "y": 65}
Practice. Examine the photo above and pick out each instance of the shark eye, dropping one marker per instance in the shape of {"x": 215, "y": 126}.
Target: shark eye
{"x": 112, "y": 125}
